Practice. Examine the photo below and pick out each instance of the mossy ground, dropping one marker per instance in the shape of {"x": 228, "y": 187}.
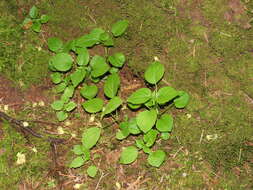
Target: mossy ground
{"x": 207, "y": 49}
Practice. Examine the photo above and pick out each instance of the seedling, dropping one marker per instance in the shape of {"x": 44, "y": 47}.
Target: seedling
{"x": 34, "y": 21}
{"x": 151, "y": 124}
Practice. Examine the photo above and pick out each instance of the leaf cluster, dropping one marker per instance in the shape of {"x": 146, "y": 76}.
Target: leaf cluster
{"x": 34, "y": 20}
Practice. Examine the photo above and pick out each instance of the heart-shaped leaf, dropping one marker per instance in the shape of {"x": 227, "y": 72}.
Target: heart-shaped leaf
{"x": 92, "y": 171}
{"x": 78, "y": 76}
{"x": 146, "y": 120}
{"x": 111, "y": 85}
{"x": 57, "y": 105}
{"x": 156, "y": 158}
{"x": 93, "y": 105}
{"x": 36, "y": 27}
{"x": 123, "y": 132}
{"x": 33, "y": 13}
{"x": 128, "y": 155}
{"x": 119, "y": 27}
{"x": 62, "y": 62}
{"x": 165, "y": 136}
{"x": 83, "y": 57}
{"x": 62, "y": 115}
{"x": 165, "y": 123}
{"x": 44, "y": 19}
{"x": 54, "y": 44}
{"x": 166, "y": 94}
{"x": 90, "y": 137}
{"x": 112, "y": 105}
{"x": 133, "y": 127}
{"x": 89, "y": 92}
{"x": 182, "y": 100}
{"x": 117, "y": 59}
{"x": 154, "y": 72}
{"x": 56, "y": 77}
{"x": 77, "y": 162}
{"x": 70, "y": 106}
{"x": 140, "y": 96}
{"x": 150, "y": 137}
{"x": 99, "y": 66}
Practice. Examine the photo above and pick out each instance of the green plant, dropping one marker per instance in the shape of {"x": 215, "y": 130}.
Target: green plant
{"x": 87, "y": 71}
{"x": 90, "y": 70}
{"x": 34, "y": 21}
{"x": 146, "y": 120}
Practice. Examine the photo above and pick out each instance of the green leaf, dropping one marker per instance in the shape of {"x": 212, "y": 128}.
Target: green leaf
{"x": 54, "y": 44}
{"x": 154, "y": 72}
{"x": 128, "y": 155}
{"x": 92, "y": 171}
{"x": 165, "y": 123}
{"x": 109, "y": 42}
{"x": 113, "y": 70}
{"x": 90, "y": 39}
{"x": 77, "y": 162}
{"x": 111, "y": 85}
{"x": 117, "y": 59}
{"x": 133, "y": 106}
{"x": 119, "y": 27}
{"x": 62, "y": 62}
{"x": 78, "y": 76}
{"x": 70, "y": 106}
{"x": 166, "y": 94}
{"x": 61, "y": 116}
{"x": 182, "y": 100}
{"x": 150, "y": 137}
{"x": 83, "y": 57}
{"x": 165, "y": 136}
{"x": 123, "y": 132}
{"x": 90, "y": 137}
{"x": 146, "y": 120}
{"x": 104, "y": 36}
{"x": 57, "y": 105}
{"x": 139, "y": 143}
{"x": 56, "y": 78}
{"x": 93, "y": 105}
{"x": 36, "y": 26}
{"x": 99, "y": 66}
{"x": 133, "y": 127}
{"x": 78, "y": 149}
{"x": 33, "y": 13}
{"x": 89, "y": 92}
{"x": 112, "y": 105}
{"x": 44, "y": 19}
{"x": 69, "y": 92}
{"x": 156, "y": 158}
{"x": 60, "y": 87}
{"x": 140, "y": 96}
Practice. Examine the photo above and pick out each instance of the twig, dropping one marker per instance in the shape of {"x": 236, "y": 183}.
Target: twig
{"x": 102, "y": 176}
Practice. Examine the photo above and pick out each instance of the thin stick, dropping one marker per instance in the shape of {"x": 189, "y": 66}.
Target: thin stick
{"x": 102, "y": 176}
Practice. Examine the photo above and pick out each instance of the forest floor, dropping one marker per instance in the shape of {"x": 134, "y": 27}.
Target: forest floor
{"x": 207, "y": 49}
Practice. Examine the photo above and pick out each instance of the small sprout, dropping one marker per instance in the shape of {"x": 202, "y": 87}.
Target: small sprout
{"x": 20, "y": 158}
{"x": 25, "y": 124}
{"x": 211, "y": 137}
{"x": 73, "y": 135}
{"x": 41, "y": 103}
{"x": 188, "y": 115}
{"x": 6, "y": 107}
{"x": 60, "y": 131}
{"x": 34, "y": 104}
{"x": 34, "y": 149}
{"x": 39, "y": 48}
